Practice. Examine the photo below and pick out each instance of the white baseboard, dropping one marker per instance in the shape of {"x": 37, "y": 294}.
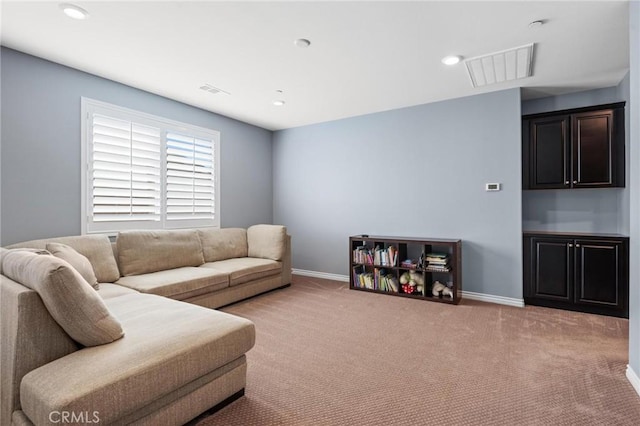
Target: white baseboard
{"x": 509, "y": 301}
{"x": 314, "y": 274}
{"x": 500, "y": 300}
{"x": 633, "y": 379}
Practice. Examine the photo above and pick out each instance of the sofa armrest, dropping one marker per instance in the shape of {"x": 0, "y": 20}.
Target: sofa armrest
{"x": 29, "y": 338}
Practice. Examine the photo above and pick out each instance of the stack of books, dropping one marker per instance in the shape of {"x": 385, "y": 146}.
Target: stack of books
{"x": 437, "y": 262}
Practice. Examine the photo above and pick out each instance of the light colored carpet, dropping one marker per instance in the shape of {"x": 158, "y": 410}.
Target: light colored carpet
{"x": 327, "y": 355}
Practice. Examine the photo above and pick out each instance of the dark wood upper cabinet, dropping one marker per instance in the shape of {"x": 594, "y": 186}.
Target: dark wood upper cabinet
{"x": 550, "y": 152}
{"x": 580, "y": 148}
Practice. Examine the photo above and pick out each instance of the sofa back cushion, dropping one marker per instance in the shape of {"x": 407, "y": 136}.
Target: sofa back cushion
{"x": 70, "y": 300}
{"x": 141, "y": 252}
{"x": 221, "y": 244}
{"x": 79, "y": 262}
{"x": 267, "y": 241}
{"x": 96, "y": 248}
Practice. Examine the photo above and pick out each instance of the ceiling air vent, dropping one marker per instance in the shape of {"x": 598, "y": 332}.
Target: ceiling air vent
{"x": 506, "y": 65}
{"x": 211, "y": 89}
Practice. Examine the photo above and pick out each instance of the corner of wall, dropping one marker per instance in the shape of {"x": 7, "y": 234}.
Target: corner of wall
{"x": 633, "y": 379}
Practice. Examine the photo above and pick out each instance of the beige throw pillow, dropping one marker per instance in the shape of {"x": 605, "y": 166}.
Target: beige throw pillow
{"x": 79, "y": 262}
{"x": 70, "y": 300}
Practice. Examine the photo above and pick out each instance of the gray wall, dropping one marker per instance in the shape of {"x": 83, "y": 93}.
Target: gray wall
{"x": 634, "y": 187}
{"x": 417, "y": 171}
{"x": 579, "y": 210}
{"x": 40, "y": 169}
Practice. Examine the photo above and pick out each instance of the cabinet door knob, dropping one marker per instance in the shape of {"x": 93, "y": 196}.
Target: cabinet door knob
{"x": 577, "y": 245}
{"x": 566, "y": 182}
{"x": 570, "y": 245}
{"x": 575, "y": 181}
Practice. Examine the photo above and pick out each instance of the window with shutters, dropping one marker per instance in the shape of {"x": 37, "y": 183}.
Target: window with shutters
{"x": 142, "y": 171}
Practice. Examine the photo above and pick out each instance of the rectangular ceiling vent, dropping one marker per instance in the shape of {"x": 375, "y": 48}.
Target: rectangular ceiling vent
{"x": 506, "y": 65}
{"x": 214, "y": 90}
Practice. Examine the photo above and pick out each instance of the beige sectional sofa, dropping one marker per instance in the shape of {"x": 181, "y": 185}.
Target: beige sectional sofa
{"x": 131, "y": 352}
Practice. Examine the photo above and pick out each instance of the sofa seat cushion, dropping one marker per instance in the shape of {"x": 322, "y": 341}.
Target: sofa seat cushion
{"x": 245, "y": 269}
{"x": 179, "y": 283}
{"x": 108, "y": 290}
{"x": 167, "y": 345}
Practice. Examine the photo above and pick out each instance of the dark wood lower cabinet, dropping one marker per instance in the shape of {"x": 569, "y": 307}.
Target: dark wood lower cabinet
{"x": 578, "y": 272}
{"x": 552, "y": 270}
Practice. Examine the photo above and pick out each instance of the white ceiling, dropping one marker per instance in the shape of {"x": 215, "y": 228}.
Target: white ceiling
{"x": 364, "y": 56}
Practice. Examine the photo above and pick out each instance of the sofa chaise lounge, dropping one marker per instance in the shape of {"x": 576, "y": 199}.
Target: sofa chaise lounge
{"x": 131, "y": 351}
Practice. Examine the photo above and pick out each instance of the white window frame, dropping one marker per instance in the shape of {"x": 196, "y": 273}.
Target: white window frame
{"x": 90, "y": 106}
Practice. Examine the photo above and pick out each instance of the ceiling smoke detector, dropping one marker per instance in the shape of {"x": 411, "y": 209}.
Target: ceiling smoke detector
{"x": 214, "y": 90}
{"x": 506, "y": 65}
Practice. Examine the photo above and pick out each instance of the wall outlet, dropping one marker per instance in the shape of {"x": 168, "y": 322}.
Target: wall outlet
{"x": 492, "y": 186}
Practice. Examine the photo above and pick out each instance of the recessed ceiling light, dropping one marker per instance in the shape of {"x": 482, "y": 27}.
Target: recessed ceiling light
{"x": 73, "y": 11}
{"x": 278, "y": 102}
{"x": 451, "y": 60}
{"x": 302, "y": 43}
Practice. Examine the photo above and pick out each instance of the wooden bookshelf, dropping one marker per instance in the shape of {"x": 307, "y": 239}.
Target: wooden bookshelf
{"x": 406, "y": 267}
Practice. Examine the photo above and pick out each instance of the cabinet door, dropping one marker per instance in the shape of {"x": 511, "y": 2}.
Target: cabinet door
{"x": 600, "y": 267}
{"x": 593, "y": 149}
{"x": 552, "y": 269}
{"x": 549, "y": 152}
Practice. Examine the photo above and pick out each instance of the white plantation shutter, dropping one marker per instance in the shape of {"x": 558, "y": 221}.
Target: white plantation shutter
{"x": 143, "y": 171}
{"x": 126, "y": 170}
{"x": 190, "y": 178}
